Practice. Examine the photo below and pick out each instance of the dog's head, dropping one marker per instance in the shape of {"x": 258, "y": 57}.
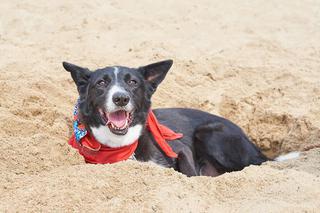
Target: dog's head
{"x": 116, "y": 97}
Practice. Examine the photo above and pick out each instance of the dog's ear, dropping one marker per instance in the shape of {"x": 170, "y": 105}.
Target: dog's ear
{"x": 79, "y": 75}
{"x": 155, "y": 73}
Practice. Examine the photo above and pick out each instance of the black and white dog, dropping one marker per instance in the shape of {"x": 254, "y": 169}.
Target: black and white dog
{"x": 211, "y": 145}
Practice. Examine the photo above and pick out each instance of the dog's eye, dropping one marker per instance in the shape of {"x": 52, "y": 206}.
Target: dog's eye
{"x": 101, "y": 83}
{"x": 132, "y": 82}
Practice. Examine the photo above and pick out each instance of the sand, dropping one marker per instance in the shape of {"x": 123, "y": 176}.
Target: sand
{"x": 254, "y": 62}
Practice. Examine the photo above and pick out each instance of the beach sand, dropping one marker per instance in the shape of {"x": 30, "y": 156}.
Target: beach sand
{"x": 256, "y": 63}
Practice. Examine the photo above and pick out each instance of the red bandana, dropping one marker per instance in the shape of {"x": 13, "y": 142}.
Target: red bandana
{"x": 94, "y": 152}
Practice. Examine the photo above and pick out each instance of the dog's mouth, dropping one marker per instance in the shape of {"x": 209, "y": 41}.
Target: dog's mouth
{"x": 118, "y": 121}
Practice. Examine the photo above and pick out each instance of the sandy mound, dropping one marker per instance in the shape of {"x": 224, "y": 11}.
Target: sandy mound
{"x": 255, "y": 62}
{"x": 133, "y": 186}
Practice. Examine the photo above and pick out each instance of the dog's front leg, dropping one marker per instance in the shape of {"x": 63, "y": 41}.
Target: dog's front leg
{"x": 186, "y": 162}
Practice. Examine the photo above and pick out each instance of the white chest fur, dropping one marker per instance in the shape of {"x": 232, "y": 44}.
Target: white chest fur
{"x": 106, "y": 137}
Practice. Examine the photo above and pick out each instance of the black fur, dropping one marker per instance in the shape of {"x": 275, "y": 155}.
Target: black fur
{"x": 211, "y": 145}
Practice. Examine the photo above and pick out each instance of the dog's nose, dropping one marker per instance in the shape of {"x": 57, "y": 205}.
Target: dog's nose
{"x": 120, "y": 99}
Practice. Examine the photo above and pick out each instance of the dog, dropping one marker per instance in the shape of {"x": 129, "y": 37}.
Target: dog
{"x": 114, "y": 103}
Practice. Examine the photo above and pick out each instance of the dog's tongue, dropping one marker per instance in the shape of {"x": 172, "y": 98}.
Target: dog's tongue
{"x": 118, "y": 118}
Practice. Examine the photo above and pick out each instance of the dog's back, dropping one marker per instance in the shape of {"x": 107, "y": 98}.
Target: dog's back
{"x": 213, "y": 140}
